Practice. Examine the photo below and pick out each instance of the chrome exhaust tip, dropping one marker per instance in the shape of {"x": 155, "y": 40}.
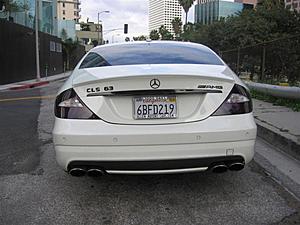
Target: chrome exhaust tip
{"x": 219, "y": 168}
{"x": 236, "y": 166}
{"x": 94, "y": 172}
{"x": 77, "y": 172}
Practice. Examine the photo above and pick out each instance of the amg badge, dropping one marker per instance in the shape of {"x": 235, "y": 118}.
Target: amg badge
{"x": 208, "y": 86}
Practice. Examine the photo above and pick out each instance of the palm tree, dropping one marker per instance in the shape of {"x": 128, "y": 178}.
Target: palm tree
{"x": 186, "y": 5}
{"x": 176, "y": 24}
{"x": 164, "y": 33}
{"x": 154, "y": 35}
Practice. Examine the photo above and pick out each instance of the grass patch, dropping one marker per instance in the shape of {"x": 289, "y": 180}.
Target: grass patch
{"x": 293, "y": 104}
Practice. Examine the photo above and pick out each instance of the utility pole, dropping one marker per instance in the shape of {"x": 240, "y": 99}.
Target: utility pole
{"x": 263, "y": 63}
{"x": 37, "y": 54}
{"x": 238, "y": 61}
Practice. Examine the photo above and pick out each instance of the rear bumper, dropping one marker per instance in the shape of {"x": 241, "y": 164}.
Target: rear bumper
{"x": 137, "y": 157}
{"x": 97, "y": 141}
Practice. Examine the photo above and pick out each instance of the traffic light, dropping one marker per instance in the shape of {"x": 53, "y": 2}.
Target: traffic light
{"x": 125, "y": 28}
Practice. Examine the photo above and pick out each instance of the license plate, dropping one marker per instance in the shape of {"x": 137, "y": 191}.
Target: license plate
{"x": 155, "y": 107}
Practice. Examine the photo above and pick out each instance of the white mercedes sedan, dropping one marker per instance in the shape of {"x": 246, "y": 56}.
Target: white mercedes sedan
{"x": 153, "y": 107}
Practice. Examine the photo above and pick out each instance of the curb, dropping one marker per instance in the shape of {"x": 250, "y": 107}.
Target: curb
{"x": 20, "y": 86}
{"x": 285, "y": 144}
{"x": 31, "y": 85}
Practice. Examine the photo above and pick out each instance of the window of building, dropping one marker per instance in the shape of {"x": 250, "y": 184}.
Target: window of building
{"x": 58, "y": 47}
{"x": 64, "y": 12}
{"x": 52, "y": 46}
{"x": 63, "y": 4}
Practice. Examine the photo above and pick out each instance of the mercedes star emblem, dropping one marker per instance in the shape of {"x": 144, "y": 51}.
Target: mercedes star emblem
{"x": 155, "y": 83}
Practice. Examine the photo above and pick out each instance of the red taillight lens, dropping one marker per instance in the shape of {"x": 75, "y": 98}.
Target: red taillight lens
{"x": 69, "y": 106}
{"x": 237, "y": 102}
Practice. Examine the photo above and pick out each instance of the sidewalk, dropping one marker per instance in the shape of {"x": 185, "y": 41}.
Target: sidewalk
{"x": 279, "y": 126}
{"x": 34, "y": 83}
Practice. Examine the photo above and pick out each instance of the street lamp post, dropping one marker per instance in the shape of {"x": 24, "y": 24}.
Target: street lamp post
{"x": 106, "y": 11}
{"x": 37, "y": 54}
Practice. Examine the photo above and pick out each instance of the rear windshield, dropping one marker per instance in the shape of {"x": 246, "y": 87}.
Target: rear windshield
{"x": 150, "y": 53}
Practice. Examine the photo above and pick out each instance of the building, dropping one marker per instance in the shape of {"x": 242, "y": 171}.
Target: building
{"x": 23, "y": 13}
{"x": 47, "y": 16}
{"x": 293, "y": 5}
{"x": 208, "y": 11}
{"x": 250, "y": 2}
{"x": 89, "y": 34}
{"x": 162, "y": 12}
{"x": 68, "y": 10}
{"x": 68, "y": 14}
{"x": 17, "y": 32}
{"x": 66, "y": 29}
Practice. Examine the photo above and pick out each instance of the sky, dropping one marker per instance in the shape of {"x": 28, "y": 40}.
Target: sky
{"x": 131, "y": 12}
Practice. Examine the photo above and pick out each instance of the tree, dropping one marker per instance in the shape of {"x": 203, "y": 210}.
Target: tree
{"x": 269, "y": 30}
{"x": 154, "y": 35}
{"x": 269, "y": 4}
{"x": 186, "y": 5}
{"x": 69, "y": 46}
{"x": 164, "y": 33}
{"x": 64, "y": 34}
{"x": 11, "y": 6}
{"x": 140, "y": 38}
{"x": 85, "y": 27}
{"x": 177, "y": 24}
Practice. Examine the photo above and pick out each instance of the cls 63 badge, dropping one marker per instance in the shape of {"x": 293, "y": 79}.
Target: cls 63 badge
{"x": 93, "y": 90}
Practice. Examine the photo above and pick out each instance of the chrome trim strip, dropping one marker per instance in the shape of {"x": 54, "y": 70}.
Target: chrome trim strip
{"x": 154, "y": 92}
{"x": 141, "y": 172}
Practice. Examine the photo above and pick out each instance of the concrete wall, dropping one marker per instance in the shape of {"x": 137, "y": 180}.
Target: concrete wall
{"x": 17, "y": 55}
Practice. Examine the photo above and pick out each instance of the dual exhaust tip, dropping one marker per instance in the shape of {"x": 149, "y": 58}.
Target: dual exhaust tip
{"x": 222, "y": 167}
{"x": 79, "y": 172}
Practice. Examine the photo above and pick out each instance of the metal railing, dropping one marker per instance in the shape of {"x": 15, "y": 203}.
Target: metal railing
{"x": 275, "y": 90}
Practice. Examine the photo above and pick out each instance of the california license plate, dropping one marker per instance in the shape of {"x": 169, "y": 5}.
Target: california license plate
{"x": 155, "y": 107}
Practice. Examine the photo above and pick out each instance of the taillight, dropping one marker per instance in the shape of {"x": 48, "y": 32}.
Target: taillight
{"x": 69, "y": 106}
{"x": 237, "y": 102}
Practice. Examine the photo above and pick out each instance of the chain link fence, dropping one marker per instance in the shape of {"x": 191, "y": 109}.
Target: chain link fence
{"x": 272, "y": 62}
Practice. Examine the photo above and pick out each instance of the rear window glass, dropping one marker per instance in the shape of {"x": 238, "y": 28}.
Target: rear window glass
{"x": 150, "y": 53}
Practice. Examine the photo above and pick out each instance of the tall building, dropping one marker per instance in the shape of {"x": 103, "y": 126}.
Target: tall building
{"x": 68, "y": 10}
{"x": 162, "y": 12}
{"x": 293, "y": 5}
{"x": 67, "y": 16}
{"x": 47, "y": 16}
{"x": 208, "y": 11}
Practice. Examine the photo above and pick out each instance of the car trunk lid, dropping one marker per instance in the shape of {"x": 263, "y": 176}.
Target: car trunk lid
{"x": 113, "y": 93}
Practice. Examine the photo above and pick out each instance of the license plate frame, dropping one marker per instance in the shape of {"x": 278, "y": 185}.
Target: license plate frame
{"x": 161, "y": 106}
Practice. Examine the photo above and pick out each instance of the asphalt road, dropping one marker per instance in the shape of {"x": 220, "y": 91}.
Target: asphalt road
{"x": 19, "y": 141}
{"x": 34, "y": 190}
